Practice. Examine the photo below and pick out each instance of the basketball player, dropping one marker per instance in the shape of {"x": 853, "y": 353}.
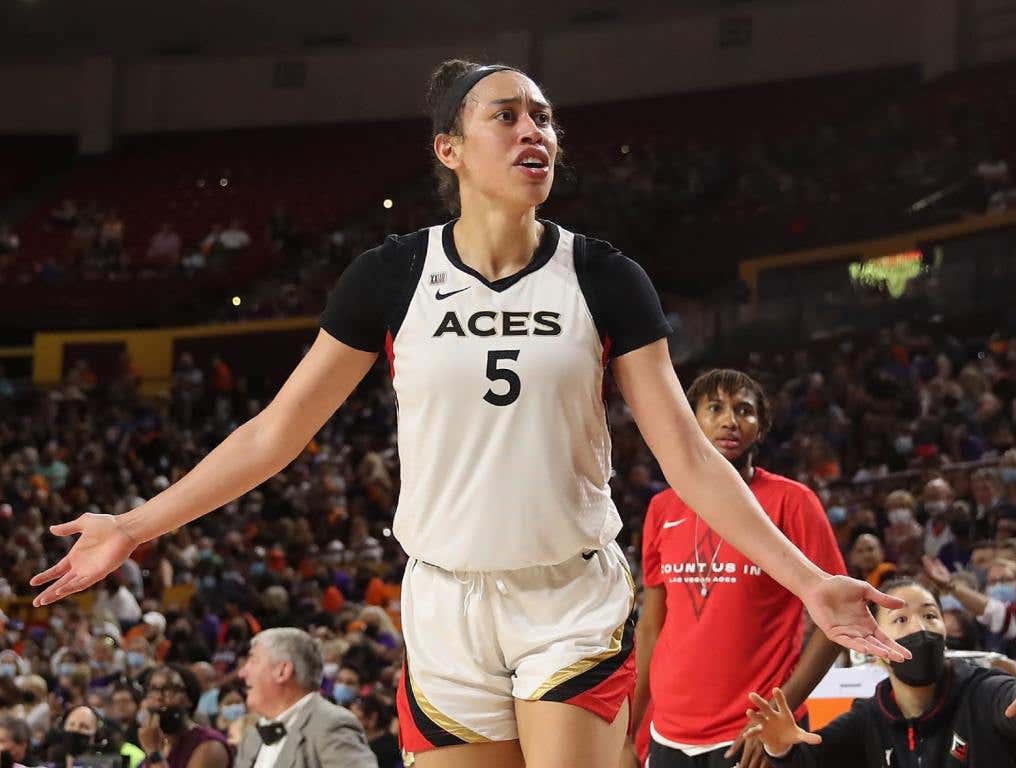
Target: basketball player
{"x": 705, "y": 600}
{"x": 497, "y": 328}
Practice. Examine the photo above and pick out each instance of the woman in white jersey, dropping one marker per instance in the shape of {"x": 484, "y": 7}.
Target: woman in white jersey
{"x": 497, "y": 328}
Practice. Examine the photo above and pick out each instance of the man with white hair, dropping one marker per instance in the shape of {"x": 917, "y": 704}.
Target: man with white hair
{"x": 298, "y": 727}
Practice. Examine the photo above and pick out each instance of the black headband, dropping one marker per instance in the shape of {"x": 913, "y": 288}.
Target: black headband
{"x": 457, "y": 92}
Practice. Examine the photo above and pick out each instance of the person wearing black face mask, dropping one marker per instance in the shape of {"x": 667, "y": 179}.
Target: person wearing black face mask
{"x": 929, "y": 712}
{"x": 168, "y": 735}
{"x": 76, "y": 738}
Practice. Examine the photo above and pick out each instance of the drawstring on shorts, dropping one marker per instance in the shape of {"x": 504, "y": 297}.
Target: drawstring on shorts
{"x": 474, "y": 581}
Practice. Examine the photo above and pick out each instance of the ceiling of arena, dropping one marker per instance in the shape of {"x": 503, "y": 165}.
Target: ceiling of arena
{"x": 45, "y": 28}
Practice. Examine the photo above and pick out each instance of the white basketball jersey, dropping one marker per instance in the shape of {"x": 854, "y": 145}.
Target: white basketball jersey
{"x": 502, "y": 432}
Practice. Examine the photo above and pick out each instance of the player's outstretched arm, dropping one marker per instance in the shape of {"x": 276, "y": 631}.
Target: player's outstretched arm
{"x": 712, "y": 487}
{"x": 254, "y": 452}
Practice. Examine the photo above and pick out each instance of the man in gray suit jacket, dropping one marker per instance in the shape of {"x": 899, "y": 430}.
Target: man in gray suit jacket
{"x": 298, "y": 727}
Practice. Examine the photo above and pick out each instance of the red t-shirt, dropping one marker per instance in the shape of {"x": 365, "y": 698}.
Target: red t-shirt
{"x": 745, "y": 633}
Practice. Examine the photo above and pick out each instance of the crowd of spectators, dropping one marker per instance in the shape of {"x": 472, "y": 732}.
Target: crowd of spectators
{"x": 907, "y": 439}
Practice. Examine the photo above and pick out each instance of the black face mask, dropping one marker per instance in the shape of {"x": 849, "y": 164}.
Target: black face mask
{"x": 171, "y": 720}
{"x": 928, "y": 662}
{"x": 76, "y": 743}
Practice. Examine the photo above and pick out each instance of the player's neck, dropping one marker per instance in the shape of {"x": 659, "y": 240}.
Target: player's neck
{"x": 744, "y": 466}
{"x": 495, "y": 242}
{"x": 913, "y": 701}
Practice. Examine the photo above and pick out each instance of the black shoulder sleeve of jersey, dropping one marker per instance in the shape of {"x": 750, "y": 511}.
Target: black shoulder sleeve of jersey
{"x": 845, "y": 743}
{"x": 372, "y": 295}
{"x": 621, "y": 298}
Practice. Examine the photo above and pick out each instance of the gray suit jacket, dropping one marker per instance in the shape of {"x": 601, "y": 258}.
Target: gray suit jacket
{"x": 325, "y": 735}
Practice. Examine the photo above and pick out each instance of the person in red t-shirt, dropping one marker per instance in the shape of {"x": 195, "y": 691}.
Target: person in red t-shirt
{"x": 714, "y": 627}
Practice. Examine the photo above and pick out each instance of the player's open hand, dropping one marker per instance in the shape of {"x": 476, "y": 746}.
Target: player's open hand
{"x": 839, "y": 607}
{"x": 101, "y": 548}
{"x": 774, "y": 724}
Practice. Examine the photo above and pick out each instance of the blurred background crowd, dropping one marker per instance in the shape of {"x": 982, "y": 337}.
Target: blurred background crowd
{"x": 907, "y": 438}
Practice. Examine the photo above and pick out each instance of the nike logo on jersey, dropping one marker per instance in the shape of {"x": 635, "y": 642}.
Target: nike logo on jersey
{"x": 439, "y": 296}
{"x": 673, "y": 523}
{"x": 491, "y": 323}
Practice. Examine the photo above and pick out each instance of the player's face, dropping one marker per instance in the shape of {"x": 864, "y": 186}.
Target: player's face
{"x": 919, "y": 614}
{"x": 729, "y": 421}
{"x": 509, "y": 145}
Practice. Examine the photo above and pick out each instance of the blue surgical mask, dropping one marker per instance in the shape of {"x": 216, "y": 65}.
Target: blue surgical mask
{"x": 1008, "y": 474}
{"x": 1004, "y": 591}
{"x": 208, "y": 704}
{"x": 257, "y": 569}
{"x": 344, "y": 694}
{"x": 67, "y": 669}
{"x": 136, "y": 659}
{"x": 8, "y": 670}
{"x": 837, "y": 515}
{"x": 904, "y": 445}
{"x": 232, "y": 712}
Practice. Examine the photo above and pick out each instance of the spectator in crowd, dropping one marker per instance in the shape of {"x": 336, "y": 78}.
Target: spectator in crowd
{"x": 37, "y": 711}
{"x": 929, "y": 711}
{"x": 230, "y": 706}
{"x": 376, "y": 715}
{"x": 995, "y": 609}
{"x": 937, "y": 499}
{"x": 188, "y": 387}
{"x": 164, "y": 247}
{"x": 15, "y": 739}
{"x": 79, "y": 731}
{"x": 867, "y": 558}
{"x": 347, "y": 685}
{"x": 298, "y": 727}
{"x": 124, "y": 701}
{"x": 904, "y": 537}
{"x": 986, "y": 494}
{"x": 234, "y": 238}
{"x": 167, "y": 734}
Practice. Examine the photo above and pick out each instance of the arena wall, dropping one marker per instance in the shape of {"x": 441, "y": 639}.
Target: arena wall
{"x": 602, "y": 63}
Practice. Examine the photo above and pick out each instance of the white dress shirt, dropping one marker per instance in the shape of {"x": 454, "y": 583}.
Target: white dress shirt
{"x": 269, "y": 753}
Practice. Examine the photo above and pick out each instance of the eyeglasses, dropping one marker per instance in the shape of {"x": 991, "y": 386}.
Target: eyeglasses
{"x": 165, "y": 690}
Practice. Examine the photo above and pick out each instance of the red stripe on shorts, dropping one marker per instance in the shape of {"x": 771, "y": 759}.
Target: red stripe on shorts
{"x": 605, "y": 699}
{"x": 410, "y": 737}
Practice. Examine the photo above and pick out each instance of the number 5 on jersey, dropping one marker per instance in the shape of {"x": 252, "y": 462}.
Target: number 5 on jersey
{"x": 494, "y": 373}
